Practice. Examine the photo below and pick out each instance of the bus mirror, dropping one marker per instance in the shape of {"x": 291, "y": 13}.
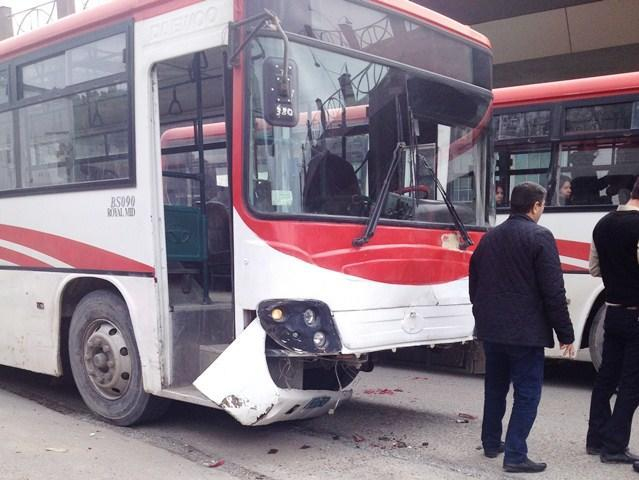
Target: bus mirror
{"x": 280, "y": 93}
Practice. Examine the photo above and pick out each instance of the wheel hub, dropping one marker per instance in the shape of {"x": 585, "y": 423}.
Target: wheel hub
{"x": 107, "y": 360}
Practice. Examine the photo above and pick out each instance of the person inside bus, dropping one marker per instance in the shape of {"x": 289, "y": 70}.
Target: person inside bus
{"x": 585, "y": 185}
{"x": 517, "y": 290}
{"x": 500, "y": 198}
{"x": 622, "y": 174}
{"x": 564, "y": 190}
{"x": 330, "y": 184}
{"x": 614, "y": 256}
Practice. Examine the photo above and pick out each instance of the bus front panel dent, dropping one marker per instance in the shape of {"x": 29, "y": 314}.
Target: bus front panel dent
{"x": 239, "y": 382}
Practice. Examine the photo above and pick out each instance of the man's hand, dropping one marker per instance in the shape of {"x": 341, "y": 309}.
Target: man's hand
{"x": 568, "y": 349}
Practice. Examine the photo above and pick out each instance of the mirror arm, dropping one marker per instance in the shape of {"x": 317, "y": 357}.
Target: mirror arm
{"x": 266, "y": 18}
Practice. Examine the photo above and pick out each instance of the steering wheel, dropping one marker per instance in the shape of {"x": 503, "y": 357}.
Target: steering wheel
{"x": 359, "y": 205}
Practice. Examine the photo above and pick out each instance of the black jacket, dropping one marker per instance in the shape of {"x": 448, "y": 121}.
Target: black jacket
{"x": 517, "y": 287}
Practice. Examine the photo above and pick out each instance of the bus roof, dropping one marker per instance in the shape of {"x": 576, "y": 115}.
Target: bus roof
{"x": 417, "y": 11}
{"x": 582, "y": 88}
{"x": 85, "y": 21}
{"x": 120, "y": 10}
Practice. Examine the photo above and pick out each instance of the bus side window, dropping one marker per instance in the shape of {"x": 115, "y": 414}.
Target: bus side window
{"x": 522, "y": 165}
{"x": 622, "y": 174}
{"x": 598, "y": 175}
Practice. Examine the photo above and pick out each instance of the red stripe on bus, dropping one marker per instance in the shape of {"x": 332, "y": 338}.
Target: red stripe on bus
{"x": 566, "y": 268}
{"x": 572, "y": 249}
{"x": 76, "y": 254}
{"x": 20, "y": 259}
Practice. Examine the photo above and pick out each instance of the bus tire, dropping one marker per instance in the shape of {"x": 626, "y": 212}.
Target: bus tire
{"x": 596, "y": 337}
{"x": 105, "y": 362}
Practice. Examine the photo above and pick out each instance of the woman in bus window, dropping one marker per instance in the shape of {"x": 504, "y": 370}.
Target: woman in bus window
{"x": 499, "y": 195}
{"x": 564, "y": 190}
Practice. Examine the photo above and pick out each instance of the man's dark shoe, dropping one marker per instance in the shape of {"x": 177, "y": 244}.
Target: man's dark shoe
{"x": 635, "y": 466}
{"x": 527, "y": 466}
{"x": 621, "y": 457}
{"x": 593, "y": 450}
{"x": 492, "y": 452}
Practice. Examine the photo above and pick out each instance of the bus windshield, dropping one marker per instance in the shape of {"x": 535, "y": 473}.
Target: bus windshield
{"x": 350, "y": 115}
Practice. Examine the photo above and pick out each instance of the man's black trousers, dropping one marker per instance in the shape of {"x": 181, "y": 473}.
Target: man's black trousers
{"x": 610, "y": 429}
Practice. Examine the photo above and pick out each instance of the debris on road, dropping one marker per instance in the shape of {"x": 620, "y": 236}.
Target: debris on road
{"x": 304, "y": 447}
{"x": 381, "y": 391}
{"x": 272, "y": 451}
{"x": 56, "y": 450}
{"x": 467, "y": 416}
{"x": 358, "y": 438}
{"x": 215, "y": 464}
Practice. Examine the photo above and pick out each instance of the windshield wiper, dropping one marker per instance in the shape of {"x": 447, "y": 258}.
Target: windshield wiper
{"x": 466, "y": 240}
{"x": 373, "y": 220}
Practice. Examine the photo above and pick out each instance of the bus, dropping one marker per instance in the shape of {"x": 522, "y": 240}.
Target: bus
{"x": 580, "y": 139}
{"x": 234, "y": 203}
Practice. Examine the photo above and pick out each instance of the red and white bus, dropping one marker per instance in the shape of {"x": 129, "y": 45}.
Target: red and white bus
{"x": 580, "y": 138}
{"x": 232, "y": 203}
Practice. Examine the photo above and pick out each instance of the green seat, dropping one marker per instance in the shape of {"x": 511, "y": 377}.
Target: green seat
{"x": 185, "y": 234}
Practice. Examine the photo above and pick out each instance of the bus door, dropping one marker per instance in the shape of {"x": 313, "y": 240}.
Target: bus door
{"x": 197, "y": 212}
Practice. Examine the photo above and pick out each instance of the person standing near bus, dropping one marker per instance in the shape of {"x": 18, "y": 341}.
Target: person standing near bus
{"x": 614, "y": 256}
{"x": 517, "y": 291}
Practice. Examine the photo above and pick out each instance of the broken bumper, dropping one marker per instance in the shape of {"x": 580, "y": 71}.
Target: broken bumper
{"x": 239, "y": 382}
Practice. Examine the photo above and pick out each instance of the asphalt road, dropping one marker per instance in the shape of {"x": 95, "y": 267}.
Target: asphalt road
{"x": 403, "y": 423}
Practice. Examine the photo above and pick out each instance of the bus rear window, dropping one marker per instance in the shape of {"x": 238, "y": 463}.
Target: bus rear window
{"x": 599, "y": 118}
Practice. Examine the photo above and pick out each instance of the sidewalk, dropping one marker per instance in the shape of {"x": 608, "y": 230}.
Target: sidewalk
{"x": 40, "y": 444}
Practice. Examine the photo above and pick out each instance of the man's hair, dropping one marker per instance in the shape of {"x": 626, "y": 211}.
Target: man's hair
{"x": 525, "y": 195}
{"x": 635, "y": 190}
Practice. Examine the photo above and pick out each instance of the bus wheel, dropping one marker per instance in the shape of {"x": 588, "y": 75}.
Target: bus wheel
{"x": 595, "y": 340}
{"x": 105, "y": 362}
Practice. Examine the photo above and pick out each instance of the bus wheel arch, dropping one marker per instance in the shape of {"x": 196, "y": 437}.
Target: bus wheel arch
{"x": 105, "y": 362}
{"x": 71, "y": 295}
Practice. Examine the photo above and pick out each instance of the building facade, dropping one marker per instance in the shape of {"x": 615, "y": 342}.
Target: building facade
{"x": 547, "y": 40}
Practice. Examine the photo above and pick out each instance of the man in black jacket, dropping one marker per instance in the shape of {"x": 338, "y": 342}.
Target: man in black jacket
{"x": 614, "y": 256}
{"x": 517, "y": 291}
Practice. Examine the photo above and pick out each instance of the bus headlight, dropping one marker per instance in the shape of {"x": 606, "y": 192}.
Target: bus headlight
{"x": 319, "y": 339}
{"x": 303, "y": 326}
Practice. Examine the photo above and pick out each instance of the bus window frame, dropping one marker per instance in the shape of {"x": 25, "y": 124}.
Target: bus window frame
{"x": 338, "y": 219}
{"x": 592, "y": 102}
{"x": 559, "y": 137}
{"x": 15, "y": 104}
{"x": 5, "y": 68}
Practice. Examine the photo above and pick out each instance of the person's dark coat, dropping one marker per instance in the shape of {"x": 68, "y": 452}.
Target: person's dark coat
{"x": 517, "y": 287}
{"x": 330, "y": 185}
